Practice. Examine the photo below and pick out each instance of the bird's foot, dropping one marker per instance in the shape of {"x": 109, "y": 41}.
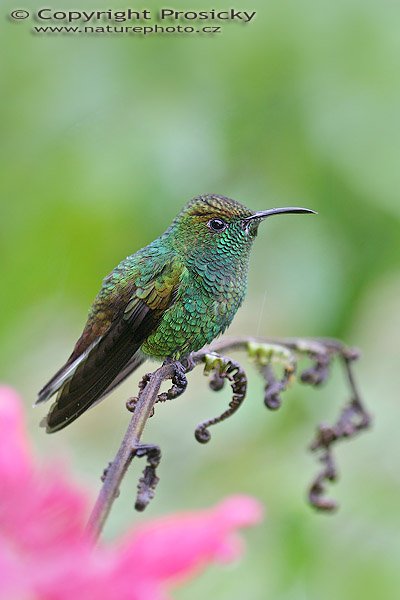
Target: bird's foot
{"x": 179, "y": 382}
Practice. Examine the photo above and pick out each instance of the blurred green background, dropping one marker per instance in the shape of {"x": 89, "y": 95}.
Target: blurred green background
{"x": 103, "y": 140}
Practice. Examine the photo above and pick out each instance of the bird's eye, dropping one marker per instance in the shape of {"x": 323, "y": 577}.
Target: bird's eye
{"x": 217, "y": 225}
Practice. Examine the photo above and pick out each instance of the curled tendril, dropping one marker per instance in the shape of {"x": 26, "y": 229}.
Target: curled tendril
{"x": 148, "y": 482}
{"x": 216, "y": 382}
{"x": 265, "y": 355}
{"x": 274, "y": 386}
{"x": 131, "y": 402}
{"x": 316, "y": 494}
{"x": 353, "y": 419}
{"x": 318, "y": 373}
{"x": 224, "y": 368}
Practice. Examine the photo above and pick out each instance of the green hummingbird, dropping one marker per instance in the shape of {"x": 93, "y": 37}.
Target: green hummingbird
{"x": 165, "y": 301}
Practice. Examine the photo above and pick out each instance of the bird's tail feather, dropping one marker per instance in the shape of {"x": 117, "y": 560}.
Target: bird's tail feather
{"x": 62, "y": 375}
{"x": 91, "y": 377}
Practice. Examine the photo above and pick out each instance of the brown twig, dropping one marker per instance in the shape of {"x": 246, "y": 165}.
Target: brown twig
{"x": 131, "y": 442}
{"x": 264, "y": 351}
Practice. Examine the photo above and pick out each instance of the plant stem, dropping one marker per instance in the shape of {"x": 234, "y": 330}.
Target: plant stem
{"x": 117, "y": 469}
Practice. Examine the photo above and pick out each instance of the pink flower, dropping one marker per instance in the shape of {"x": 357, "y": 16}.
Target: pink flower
{"x": 45, "y": 553}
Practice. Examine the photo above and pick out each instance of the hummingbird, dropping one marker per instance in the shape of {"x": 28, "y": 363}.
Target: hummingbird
{"x": 167, "y": 300}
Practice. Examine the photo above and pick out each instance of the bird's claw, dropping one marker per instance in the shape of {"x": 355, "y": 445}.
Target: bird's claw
{"x": 179, "y": 383}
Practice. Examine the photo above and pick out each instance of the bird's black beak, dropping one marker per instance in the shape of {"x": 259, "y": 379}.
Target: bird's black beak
{"x": 263, "y": 214}
{"x": 251, "y": 223}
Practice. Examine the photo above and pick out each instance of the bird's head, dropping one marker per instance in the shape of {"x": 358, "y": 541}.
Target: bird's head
{"x": 212, "y": 225}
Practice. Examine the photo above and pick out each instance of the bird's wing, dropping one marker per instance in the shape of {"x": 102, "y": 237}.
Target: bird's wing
{"x": 107, "y": 347}
{"x": 137, "y": 359}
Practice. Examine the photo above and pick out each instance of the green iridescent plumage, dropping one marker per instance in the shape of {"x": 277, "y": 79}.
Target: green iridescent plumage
{"x": 167, "y": 300}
